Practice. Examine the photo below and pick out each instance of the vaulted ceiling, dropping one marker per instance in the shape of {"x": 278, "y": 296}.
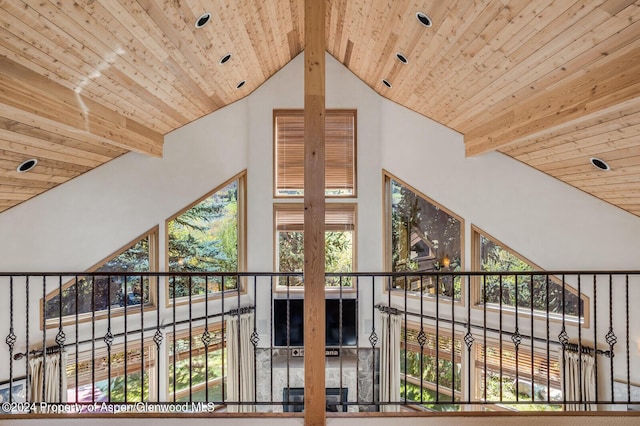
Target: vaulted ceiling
{"x": 549, "y": 83}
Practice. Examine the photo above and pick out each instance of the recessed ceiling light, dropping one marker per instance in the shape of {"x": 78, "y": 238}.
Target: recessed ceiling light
{"x": 386, "y": 83}
{"x": 225, "y": 59}
{"x": 27, "y": 165}
{"x": 240, "y": 84}
{"x": 402, "y": 58}
{"x": 600, "y": 164}
{"x": 203, "y": 20}
{"x": 424, "y": 19}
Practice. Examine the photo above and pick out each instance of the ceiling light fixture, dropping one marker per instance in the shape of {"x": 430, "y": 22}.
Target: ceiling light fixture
{"x": 386, "y": 83}
{"x": 600, "y": 164}
{"x": 424, "y": 19}
{"x": 225, "y": 59}
{"x": 203, "y": 20}
{"x": 240, "y": 84}
{"x": 27, "y": 165}
{"x": 402, "y": 58}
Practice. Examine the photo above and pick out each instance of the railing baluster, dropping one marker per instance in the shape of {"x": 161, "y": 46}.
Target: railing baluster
{"x": 142, "y": 351}
{"x": 484, "y": 333}
{"x": 157, "y": 338}
{"x": 44, "y": 339}
{"x": 438, "y": 338}
{"x": 533, "y": 376}
{"x": 626, "y": 299}
{"x": 595, "y": 325}
{"x": 173, "y": 358}
{"x": 190, "y": 339}
{"x": 126, "y": 352}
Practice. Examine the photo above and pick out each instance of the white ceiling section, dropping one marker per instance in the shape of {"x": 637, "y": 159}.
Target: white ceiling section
{"x": 549, "y": 83}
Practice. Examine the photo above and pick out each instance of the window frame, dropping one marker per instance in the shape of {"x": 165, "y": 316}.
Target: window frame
{"x": 328, "y": 112}
{"x": 67, "y": 320}
{"x": 242, "y": 243}
{"x": 388, "y": 246}
{"x": 352, "y": 207}
{"x": 476, "y": 294}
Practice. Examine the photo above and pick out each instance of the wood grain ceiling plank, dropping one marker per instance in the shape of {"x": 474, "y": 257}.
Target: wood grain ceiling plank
{"x": 33, "y": 176}
{"x": 596, "y": 177}
{"x": 24, "y": 181}
{"x": 249, "y": 63}
{"x": 20, "y": 103}
{"x": 627, "y": 164}
{"x": 10, "y": 159}
{"x": 443, "y": 37}
{"x": 133, "y": 64}
{"x": 41, "y": 169}
{"x": 590, "y": 43}
{"x": 600, "y": 142}
{"x": 623, "y": 148}
{"x": 425, "y": 50}
{"x": 213, "y": 40}
{"x": 25, "y": 54}
{"x": 519, "y": 68}
{"x": 95, "y": 147}
{"x": 93, "y": 59}
{"x": 603, "y": 87}
{"x": 14, "y": 196}
{"x": 131, "y": 14}
{"x": 20, "y": 189}
{"x": 474, "y": 71}
{"x": 57, "y": 153}
{"x": 256, "y": 31}
{"x": 577, "y": 130}
{"x": 336, "y": 31}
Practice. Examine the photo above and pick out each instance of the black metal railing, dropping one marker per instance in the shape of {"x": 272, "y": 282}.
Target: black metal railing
{"x": 233, "y": 341}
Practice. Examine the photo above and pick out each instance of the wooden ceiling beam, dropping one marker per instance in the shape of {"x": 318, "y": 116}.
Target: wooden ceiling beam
{"x": 597, "y": 92}
{"x": 30, "y": 98}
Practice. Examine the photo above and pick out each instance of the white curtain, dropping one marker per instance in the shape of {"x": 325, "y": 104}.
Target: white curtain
{"x": 44, "y": 372}
{"x": 240, "y": 356}
{"x": 390, "y": 362}
{"x": 576, "y": 377}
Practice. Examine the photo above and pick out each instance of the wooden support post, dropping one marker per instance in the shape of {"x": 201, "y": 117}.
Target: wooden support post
{"x": 314, "y": 225}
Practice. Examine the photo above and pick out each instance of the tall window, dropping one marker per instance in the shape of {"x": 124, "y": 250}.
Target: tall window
{"x": 340, "y": 147}
{"x": 116, "y": 376}
{"x": 538, "y": 377}
{"x": 432, "y": 371}
{"x": 206, "y": 237}
{"x": 100, "y": 293}
{"x": 424, "y": 237}
{"x": 339, "y": 241}
{"x": 535, "y": 291}
{"x": 197, "y": 371}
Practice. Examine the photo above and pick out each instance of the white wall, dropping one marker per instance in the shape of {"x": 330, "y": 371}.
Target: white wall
{"x": 76, "y": 224}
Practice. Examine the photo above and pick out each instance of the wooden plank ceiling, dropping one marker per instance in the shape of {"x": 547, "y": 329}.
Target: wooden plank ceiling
{"x": 549, "y": 83}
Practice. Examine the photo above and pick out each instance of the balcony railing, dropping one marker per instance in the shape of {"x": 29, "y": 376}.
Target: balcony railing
{"x": 444, "y": 341}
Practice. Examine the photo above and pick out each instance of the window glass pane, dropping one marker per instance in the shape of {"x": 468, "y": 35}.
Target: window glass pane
{"x": 424, "y": 238}
{"x": 205, "y": 239}
{"x": 495, "y": 258}
{"x": 340, "y": 225}
{"x": 101, "y": 291}
{"x": 430, "y": 373}
{"x": 537, "y": 380}
{"x": 106, "y": 376}
{"x": 197, "y": 368}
